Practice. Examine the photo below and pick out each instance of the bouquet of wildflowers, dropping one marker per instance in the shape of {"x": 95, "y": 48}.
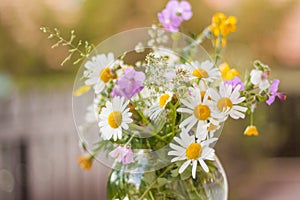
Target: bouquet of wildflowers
{"x": 159, "y": 108}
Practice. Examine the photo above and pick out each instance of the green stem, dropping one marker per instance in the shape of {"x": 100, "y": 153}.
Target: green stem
{"x": 147, "y": 131}
{"x": 251, "y": 118}
{"x": 151, "y": 195}
{"x": 129, "y": 140}
{"x": 195, "y": 189}
{"x": 153, "y": 183}
{"x": 174, "y": 117}
{"x": 172, "y": 133}
{"x": 200, "y": 37}
{"x": 175, "y": 37}
{"x": 198, "y": 41}
{"x": 95, "y": 151}
{"x": 142, "y": 116}
{"x": 211, "y": 191}
{"x": 64, "y": 42}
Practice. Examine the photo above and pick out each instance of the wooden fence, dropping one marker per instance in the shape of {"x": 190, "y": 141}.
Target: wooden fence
{"x": 38, "y": 150}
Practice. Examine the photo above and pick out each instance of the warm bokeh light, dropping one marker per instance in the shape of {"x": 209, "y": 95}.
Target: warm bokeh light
{"x": 288, "y": 44}
{"x": 38, "y": 141}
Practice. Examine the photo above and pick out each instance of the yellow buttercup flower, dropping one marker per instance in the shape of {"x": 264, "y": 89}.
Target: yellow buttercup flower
{"x": 217, "y": 21}
{"x": 221, "y": 27}
{"x": 82, "y": 90}
{"x": 218, "y": 18}
{"x": 229, "y": 26}
{"x": 226, "y": 72}
{"x": 251, "y": 131}
{"x": 85, "y": 161}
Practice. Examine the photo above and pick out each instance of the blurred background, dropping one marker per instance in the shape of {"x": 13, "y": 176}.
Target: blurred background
{"x": 38, "y": 141}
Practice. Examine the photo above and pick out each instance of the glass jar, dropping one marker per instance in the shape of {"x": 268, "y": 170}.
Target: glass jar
{"x": 167, "y": 184}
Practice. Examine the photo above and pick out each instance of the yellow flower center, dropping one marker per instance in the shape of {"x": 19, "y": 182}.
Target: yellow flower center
{"x": 200, "y": 73}
{"x": 202, "y": 112}
{"x": 163, "y": 100}
{"x": 115, "y": 119}
{"x": 224, "y": 103}
{"x": 193, "y": 151}
{"x": 105, "y": 75}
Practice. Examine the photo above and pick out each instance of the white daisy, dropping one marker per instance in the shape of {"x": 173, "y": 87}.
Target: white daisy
{"x": 192, "y": 151}
{"x": 160, "y": 105}
{"x": 200, "y": 109}
{"x": 227, "y": 101}
{"x": 205, "y": 71}
{"x": 259, "y": 78}
{"x": 98, "y": 72}
{"x": 114, "y": 117}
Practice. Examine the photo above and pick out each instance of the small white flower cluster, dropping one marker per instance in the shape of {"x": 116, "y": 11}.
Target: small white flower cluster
{"x": 157, "y": 36}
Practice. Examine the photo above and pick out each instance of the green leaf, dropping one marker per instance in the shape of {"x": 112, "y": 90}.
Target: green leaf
{"x": 161, "y": 182}
{"x": 174, "y": 172}
{"x": 186, "y": 173}
{"x": 149, "y": 177}
{"x": 260, "y": 98}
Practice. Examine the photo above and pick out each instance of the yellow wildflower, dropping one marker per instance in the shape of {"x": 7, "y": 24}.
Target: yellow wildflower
{"x": 228, "y": 26}
{"x": 217, "y": 21}
{"x": 251, "y": 131}
{"x": 81, "y": 90}
{"x": 221, "y": 27}
{"x": 228, "y": 73}
{"x": 85, "y": 161}
{"x": 218, "y": 18}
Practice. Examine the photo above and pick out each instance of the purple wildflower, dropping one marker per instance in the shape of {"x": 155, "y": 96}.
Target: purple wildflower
{"x": 181, "y": 10}
{"x": 174, "y": 14}
{"x": 122, "y": 154}
{"x": 129, "y": 84}
{"x": 235, "y": 82}
{"x": 274, "y": 93}
{"x": 169, "y": 22}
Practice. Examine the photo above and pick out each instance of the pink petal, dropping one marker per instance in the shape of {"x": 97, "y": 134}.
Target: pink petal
{"x": 270, "y": 100}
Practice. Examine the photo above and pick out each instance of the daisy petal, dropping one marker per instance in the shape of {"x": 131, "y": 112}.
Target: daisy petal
{"x": 184, "y": 166}
{"x": 203, "y": 165}
{"x": 194, "y": 169}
